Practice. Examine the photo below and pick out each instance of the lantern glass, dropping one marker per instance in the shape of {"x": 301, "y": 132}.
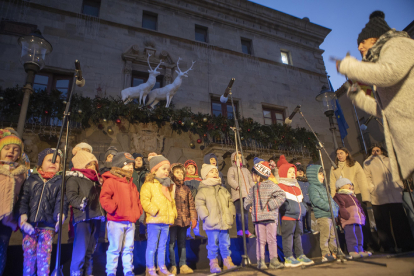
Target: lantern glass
{"x": 34, "y": 49}
{"x": 328, "y": 99}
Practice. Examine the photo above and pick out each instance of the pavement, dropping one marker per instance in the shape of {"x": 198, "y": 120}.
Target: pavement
{"x": 397, "y": 266}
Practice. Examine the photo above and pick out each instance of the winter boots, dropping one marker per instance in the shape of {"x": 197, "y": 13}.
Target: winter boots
{"x": 164, "y": 271}
{"x": 184, "y": 269}
{"x": 228, "y": 263}
{"x": 214, "y": 267}
{"x": 261, "y": 264}
{"x": 151, "y": 271}
{"x": 275, "y": 264}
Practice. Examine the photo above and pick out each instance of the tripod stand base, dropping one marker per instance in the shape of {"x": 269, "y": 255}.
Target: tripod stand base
{"x": 57, "y": 272}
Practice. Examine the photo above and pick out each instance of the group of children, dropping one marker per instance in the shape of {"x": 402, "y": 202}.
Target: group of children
{"x": 169, "y": 200}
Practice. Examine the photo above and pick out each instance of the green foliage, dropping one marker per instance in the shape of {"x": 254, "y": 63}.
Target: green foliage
{"x": 93, "y": 111}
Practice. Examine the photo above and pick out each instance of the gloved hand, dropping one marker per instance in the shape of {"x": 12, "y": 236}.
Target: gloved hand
{"x": 57, "y": 223}
{"x": 193, "y": 224}
{"x": 26, "y": 227}
{"x": 83, "y": 204}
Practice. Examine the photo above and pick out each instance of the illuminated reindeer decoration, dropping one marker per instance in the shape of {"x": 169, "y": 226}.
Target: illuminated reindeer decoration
{"x": 167, "y": 92}
{"x": 141, "y": 91}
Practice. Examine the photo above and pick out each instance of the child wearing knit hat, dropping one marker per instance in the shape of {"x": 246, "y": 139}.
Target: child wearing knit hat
{"x": 109, "y": 155}
{"x": 160, "y": 211}
{"x": 264, "y": 199}
{"x": 291, "y": 211}
{"x": 192, "y": 180}
{"x": 38, "y": 208}
{"x": 83, "y": 187}
{"x": 120, "y": 199}
{"x": 352, "y": 218}
{"x": 215, "y": 207}
{"x": 12, "y": 176}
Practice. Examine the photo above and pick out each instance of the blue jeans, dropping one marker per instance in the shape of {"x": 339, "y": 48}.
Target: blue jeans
{"x": 157, "y": 235}
{"x": 216, "y": 239}
{"x": 196, "y": 229}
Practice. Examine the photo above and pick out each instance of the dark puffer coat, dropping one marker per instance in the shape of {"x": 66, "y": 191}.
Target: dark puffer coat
{"x": 79, "y": 186}
{"x": 40, "y": 200}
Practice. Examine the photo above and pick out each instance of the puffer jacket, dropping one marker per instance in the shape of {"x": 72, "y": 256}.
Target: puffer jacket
{"x": 206, "y": 160}
{"x": 139, "y": 178}
{"x": 304, "y": 186}
{"x": 193, "y": 186}
{"x": 265, "y": 199}
{"x": 120, "y": 197}
{"x": 292, "y": 208}
{"x": 79, "y": 186}
{"x": 158, "y": 209}
{"x": 318, "y": 196}
{"x": 350, "y": 209}
{"x": 40, "y": 200}
{"x": 186, "y": 211}
{"x": 246, "y": 180}
{"x": 10, "y": 186}
{"x": 215, "y": 207}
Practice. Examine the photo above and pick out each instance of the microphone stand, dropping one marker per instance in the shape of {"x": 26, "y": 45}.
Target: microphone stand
{"x": 340, "y": 255}
{"x": 65, "y": 123}
{"x": 245, "y": 263}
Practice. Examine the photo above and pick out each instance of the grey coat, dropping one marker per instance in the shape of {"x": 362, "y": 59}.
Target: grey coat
{"x": 393, "y": 74}
{"x": 215, "y": 207}
{"x": 246, "y": 180}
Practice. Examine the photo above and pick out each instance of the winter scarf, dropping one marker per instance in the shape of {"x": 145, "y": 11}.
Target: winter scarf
{"x": 91, "y": 174}
{"x": 189, "y": 177}
{"x": 211, "y": 181}
{"x": 289, "y": 181}
{"x": 345, "y": 192}
{"x": 121, "y": 173}
{"x": 374, "y": 53}
{"x": 9, "y": 164}
{"x": 165, "y": 181}
{"x": 46, "y": 175}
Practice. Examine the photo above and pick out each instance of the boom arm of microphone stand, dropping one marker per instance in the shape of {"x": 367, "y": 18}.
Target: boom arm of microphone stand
{"x": 319, "y": 145}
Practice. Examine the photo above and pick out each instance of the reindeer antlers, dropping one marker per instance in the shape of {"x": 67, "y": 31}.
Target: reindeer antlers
{"x": 148, "y": 61}
{"x": 156, "y": 68}
{"x": 178, "y": 66}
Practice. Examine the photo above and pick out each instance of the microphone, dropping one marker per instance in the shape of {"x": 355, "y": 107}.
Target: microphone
{"x": 80, "y": 81}
{"x": 365, "y": 125}
{"x": 288, "y": 120}
{"x": 223, "y": 97}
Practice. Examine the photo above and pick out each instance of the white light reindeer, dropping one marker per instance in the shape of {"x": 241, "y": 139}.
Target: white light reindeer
{"x": 167, "y": 92}
{"x": 141, "y": 91}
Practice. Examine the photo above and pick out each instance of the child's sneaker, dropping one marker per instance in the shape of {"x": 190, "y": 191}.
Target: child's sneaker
{"x": 354, "y": 255}
{"x": 328, "y": 258}
{"x": 275, "y": 264}
{"x": 365, "y": 254}
{"x": 305, "y": 260}
{"x": 292, "y": 262}
{"x": 261, "y": 264}
{"x": 228, "y": 263}
{"x": 173, "y": 270}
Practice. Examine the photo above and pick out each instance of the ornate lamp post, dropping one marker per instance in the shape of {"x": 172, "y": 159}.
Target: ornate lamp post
{"x": 34, "y": 50}
{"x": 328, "y": 98}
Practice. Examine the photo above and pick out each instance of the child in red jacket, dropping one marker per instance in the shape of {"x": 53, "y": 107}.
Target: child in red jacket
{"x": 120, "y": 198}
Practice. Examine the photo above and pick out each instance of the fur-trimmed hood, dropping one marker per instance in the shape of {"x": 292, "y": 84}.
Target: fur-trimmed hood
{"x": 10, "y": 185}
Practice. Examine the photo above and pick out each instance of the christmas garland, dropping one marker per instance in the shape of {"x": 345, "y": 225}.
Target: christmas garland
{"x": 88, "y": 111}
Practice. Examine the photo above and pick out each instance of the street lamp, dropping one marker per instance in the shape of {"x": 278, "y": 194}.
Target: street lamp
{"x": 328, "y": 98}
{"x": 34, "y": 50}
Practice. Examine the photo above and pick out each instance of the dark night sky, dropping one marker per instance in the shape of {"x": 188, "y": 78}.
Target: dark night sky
{"x": 346, "y": 20}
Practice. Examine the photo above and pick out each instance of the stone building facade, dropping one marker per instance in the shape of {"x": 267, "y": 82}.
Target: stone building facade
{"x": 274, "y": 57}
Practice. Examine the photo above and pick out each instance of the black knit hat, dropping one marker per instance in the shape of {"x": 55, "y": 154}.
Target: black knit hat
{"x": 375, "y": 27}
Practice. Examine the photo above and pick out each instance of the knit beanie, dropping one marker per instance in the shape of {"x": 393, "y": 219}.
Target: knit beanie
{"x": 312, "y": 172}
{"x": 300, "y": 167}
{"x": 135, "y": 155}
{"x": 81, "y": 146}
{"x": 282, "y": 160}
{"x": 41, "y": 156}
{"x": 205, "y": 169}
{"x": 375, "y": 27}
{"x": 262, "y": 170}
{"x": 122, "y": 159}
{"x": 257, "y": 160}
{"x": 7, "y": 137}
{"x": 155, "y": 162}
{"x": 83, "y": 158}
{"x": 342, "y": 182}
{"x": 191, "y": 162}
{"x": 283, "y": 170}
{"x": 111, "y": 150}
